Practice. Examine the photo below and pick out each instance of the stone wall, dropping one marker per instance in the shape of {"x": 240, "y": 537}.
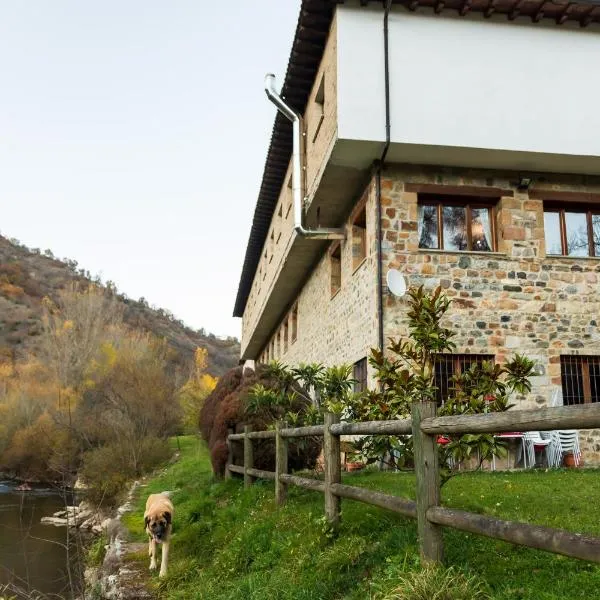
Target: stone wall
{"x": 320, "y": 133}
{"x": 513, "y": 300}
{"x": 340, "y": 328}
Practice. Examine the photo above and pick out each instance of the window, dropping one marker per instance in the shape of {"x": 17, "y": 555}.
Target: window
{"x": 572, "y": 231}
{"x": 451, "y": 223}
{"x": 272, "y": 242}
{"x": 580, "y": 376}
{"x": 266, "y": 259}
{"x": 285, "y": 336}
{"x": 336, "y": 269}
{"x": 360, "y": 375}
{"x": 294, "y": 320}
{"x": 278, "y": 337}
{"x": 320, "y": 108}
{"x": 289, "y": 197}
{"x": 448, "y": 365}
{"x": 359, "y": 238}
{"x": 273, "y": 349}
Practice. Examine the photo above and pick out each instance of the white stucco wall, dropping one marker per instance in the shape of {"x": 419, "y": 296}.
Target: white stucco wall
{"x": 470, "y": 82}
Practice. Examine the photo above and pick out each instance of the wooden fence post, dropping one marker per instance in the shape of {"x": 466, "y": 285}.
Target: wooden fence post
{"x": 281, "y": 463}
{"x": 428, "y": 483}
{"x": 333, "y": 470}
{"x": 248, "y": 457}
{"x": 229, "y": 454}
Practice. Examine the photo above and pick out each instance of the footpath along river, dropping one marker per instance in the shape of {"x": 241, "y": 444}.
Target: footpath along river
{"x": 35, "y": 556}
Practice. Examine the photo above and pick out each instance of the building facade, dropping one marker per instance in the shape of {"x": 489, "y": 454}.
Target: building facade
{"x": 456, "y": 142}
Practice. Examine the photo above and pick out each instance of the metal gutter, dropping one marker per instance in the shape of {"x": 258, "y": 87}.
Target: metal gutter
{"x": 298, "y": 168}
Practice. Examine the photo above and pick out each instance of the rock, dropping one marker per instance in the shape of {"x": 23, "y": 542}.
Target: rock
{"x": 79, "y": 485}
{"x": 57, "y": 521}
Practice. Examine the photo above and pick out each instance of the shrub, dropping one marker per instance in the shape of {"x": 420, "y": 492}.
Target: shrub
{"x": 106, "y": 470}
{"x": 438, "y": 584}
{"x": 232, "y": 405}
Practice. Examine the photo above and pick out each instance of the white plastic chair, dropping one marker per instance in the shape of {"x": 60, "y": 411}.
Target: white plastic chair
{"x": 569, "y": 443}
{"x": 533, "y": 441}
{"x": 554, "y": 452}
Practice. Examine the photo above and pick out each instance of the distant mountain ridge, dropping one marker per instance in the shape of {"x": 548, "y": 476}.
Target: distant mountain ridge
{"x": 28, "y": 275}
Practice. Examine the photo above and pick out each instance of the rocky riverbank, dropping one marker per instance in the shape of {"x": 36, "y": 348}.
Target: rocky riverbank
{"x": 118, "y": 577}
{"x": 82, "y": 516}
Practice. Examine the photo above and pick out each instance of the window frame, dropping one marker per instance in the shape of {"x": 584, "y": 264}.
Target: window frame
{"x": 564, "y": 207}
{"x": 468, "y": 202}
{"x": 360, "y": 375}
{"x": 458, "y": 361}
{"x": 586, "y": 382}
{"x": 359, "y": 239}
{"x": 294, "y": 320}
{"x": 335, "y": 259}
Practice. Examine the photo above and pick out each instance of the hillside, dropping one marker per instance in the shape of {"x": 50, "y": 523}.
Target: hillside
{"x": 28, "y": 275}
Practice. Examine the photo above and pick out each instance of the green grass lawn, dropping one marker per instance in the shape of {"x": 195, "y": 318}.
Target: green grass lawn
{"x": 231, "y": 543}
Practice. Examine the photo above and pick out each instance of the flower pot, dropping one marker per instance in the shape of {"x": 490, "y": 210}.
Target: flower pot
{"x": 354, "y": 466}
{"x": 569, "y": 460}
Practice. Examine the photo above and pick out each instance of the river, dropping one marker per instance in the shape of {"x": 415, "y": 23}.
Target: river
{"x": 34, "y": 556}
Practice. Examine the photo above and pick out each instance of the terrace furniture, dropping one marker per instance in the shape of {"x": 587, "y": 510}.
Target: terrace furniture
{"x": 534, "y": 442}
{"x": 564, "y": 442}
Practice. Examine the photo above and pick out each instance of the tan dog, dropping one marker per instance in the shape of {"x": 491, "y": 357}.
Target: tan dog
{"x": 158, "y": 520}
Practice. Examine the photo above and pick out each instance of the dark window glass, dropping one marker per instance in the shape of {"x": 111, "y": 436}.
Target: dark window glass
{"x": 481, "y": 229}
{"x": 596, "y": 234}
{"x": 336, "y": 269}
{"x": 580, "y": 377}
{"x": 577, "y": 234}
{"x": 360, "y": 375}
{"x": 428, "y": 226}
{"x": 455, "y": 227}
{"x": 552, "y": 233}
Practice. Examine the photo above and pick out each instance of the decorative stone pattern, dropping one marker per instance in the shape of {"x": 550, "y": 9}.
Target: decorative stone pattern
{"x": 516, "y": 300}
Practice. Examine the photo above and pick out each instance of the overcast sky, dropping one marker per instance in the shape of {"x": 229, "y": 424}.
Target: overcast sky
{"x": 133, "y": 135}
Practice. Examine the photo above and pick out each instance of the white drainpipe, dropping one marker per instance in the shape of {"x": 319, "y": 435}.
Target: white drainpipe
{"x": 297, "y": 168}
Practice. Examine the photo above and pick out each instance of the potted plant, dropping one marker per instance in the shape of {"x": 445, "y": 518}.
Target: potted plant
{"x": 569, "y": 460}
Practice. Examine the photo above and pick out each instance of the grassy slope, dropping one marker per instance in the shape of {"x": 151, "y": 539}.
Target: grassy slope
{"x": 233, "y": 543}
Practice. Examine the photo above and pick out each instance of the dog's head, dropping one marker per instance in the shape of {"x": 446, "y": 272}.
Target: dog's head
{"x": 157, "y": 525}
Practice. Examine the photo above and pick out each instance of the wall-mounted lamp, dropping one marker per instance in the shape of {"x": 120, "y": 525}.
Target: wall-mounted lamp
{"x": 524, "y": 183}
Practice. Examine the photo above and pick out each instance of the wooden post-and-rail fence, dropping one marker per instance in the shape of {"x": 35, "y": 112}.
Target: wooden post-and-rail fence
{"x": 431, "y": 516}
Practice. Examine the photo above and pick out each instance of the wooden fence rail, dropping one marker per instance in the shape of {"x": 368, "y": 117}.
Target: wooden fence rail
{"x": 427, "y": 510}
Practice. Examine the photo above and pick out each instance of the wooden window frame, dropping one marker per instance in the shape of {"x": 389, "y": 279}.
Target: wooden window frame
{"x": 561, "y": 209}
{"x": 335, "y": 254}
{"x": 294, "y": 320}
{"x": 360, "y": 375}
{"x": 469, "y": 202}
{"x": 361, "y": 214}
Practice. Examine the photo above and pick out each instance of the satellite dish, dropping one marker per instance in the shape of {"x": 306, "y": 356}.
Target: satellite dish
{"x": 396, "y": 282}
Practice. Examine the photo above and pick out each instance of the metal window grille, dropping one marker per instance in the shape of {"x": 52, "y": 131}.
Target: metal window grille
{"x": 580, "y": 376}
{"x": 448, "y": 365}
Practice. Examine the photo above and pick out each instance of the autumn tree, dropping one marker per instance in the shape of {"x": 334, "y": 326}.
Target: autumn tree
{"x": 193, "y": 393}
